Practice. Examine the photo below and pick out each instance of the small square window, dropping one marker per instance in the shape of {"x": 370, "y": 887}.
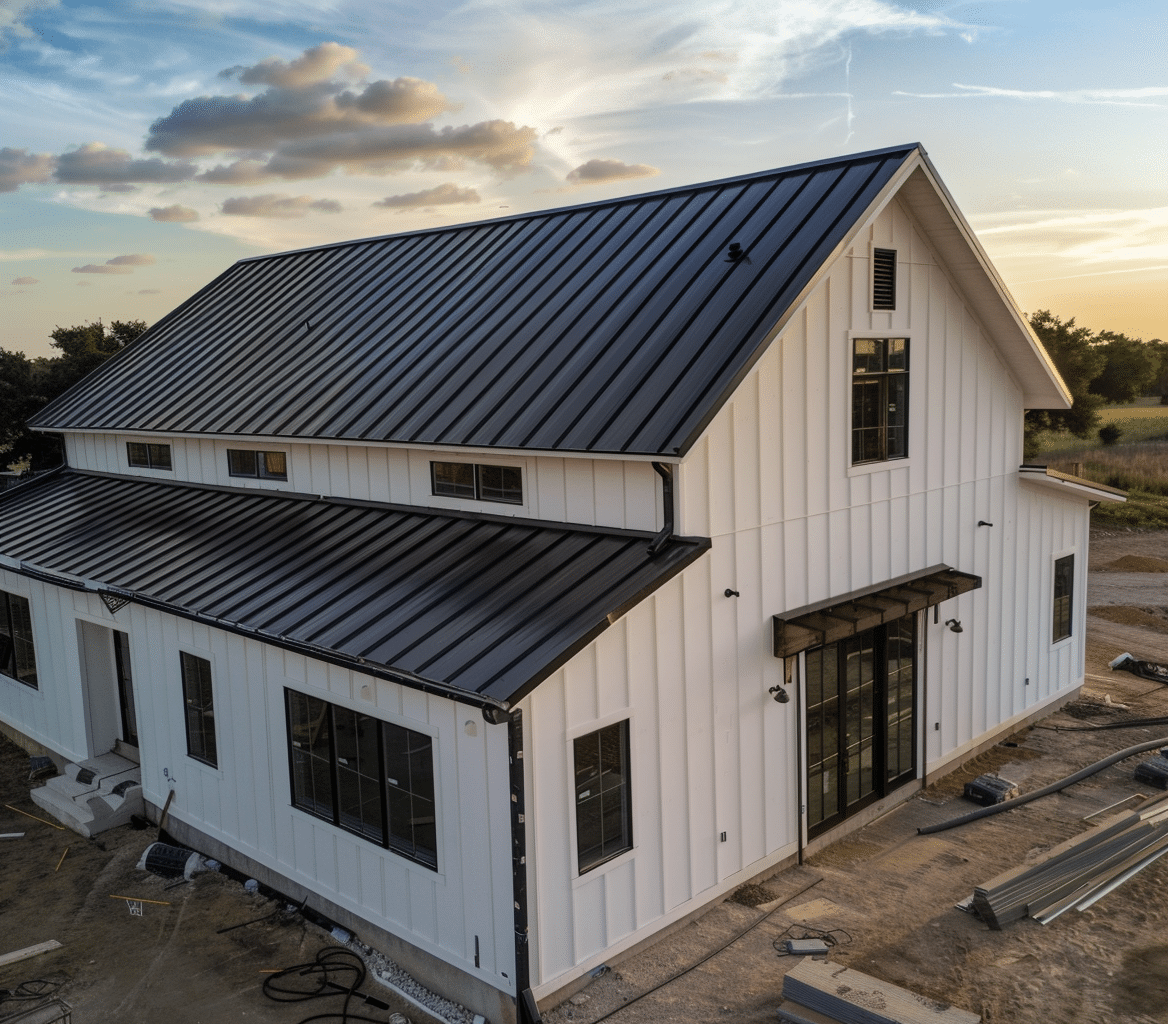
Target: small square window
{"x": 148, "y": 456}
{"x": 264, "y": 465}
{"x": 1064, "y": 587}
{"x": 453, "y": 479}
{"x": 604, "y": 810}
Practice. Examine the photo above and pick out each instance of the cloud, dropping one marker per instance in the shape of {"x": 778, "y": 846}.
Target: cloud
{"x": 150, "y": 291}
{"x": 315, "y": 65}
{"x": 84, "y": 284}
{"x": 596, "y": 172}
{"x": 1086, "y": 237}
{"x": 118, "y": 265}
{"x": 118, "y": 187}
{"x": 498, "y": 144}
{"x": 279, "y": 206}
{"x": 25, "y": 280}
{"x": 216, "y": 124}
{"x": 12, "y": 14}
{"x": 241, "y": 172}
{"x": 19, "y": 166}
{"x": 442, "y": 195}
{"x": 1107, "y": 97}
{"x": 175, "y": 214}
{"x": 95, "y": 163}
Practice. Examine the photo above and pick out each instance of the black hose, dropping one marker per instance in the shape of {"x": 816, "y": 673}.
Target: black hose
{"x": 1054, "y": 787}
{"x": 335, "y": 972}
{"x": 1127, "y": 723}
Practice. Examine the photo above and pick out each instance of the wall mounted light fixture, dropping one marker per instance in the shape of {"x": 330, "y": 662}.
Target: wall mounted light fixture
{"x": 731, "y": 593}
{"x": 954, "y": 625}
{"x": 780, "y": 694}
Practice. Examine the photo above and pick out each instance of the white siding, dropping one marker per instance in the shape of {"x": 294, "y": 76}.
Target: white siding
{"x": 792, "y": 523}
{"x": 591, "y": 492}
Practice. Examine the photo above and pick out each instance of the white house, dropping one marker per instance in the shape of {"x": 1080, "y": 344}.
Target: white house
{"x": 514, "y": 590}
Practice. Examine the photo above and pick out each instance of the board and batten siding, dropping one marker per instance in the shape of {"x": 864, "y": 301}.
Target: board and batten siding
{"x": 245, "y": 801}
{"x": 618, "y": 493}
{"x": 792, "y": 522}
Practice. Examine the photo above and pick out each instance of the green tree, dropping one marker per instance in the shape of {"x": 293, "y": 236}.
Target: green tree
{"x": 28, "y": 385}
{"x": 1160, "y": 383}
{"x": 1129, "y": 369}
{"x": 1079, "y": 362}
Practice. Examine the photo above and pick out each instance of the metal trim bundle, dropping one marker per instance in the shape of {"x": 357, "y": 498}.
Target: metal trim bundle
{"x": 821, "y": 993}
{"x": 1078, "y": 872}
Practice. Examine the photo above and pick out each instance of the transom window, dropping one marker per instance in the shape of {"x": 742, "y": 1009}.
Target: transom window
{"x": 199, "y": 705}
{"x": 604, "y": 808}
{"x": 1064, "y": 588}
{"x": 367, "y": 776}
{"x": 260, "y": 464}
{"x": 879, "y": 399}
{"x": 148, "y": 456}
{"x": 17, "y": 655}
{"x": 478, "y": 482}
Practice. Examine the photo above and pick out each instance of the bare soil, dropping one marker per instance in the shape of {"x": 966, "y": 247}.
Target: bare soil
{"x": 886, "y": 895}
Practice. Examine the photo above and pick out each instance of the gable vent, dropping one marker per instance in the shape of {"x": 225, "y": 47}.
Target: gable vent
{"x": 884, "y": 279}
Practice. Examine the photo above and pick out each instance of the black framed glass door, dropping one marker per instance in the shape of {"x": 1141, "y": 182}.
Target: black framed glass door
{"x": 861, "y": 722}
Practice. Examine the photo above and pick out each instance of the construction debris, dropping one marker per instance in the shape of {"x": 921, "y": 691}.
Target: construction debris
{"x": 1154, "y": 771}
{"x": 1144, "y": 669}
{"x": 23, "y": 954}
{"x": 990, "y": 789}
{"x": 817, "y": 992}
{"x": 1078, "y": 872}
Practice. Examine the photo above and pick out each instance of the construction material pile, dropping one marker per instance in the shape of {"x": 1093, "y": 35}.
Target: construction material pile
{"x": 1078, "y": 872}
{"x": 817, "y": 992}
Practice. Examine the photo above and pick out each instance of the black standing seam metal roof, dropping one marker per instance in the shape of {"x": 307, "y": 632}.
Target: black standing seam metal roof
{"x": 480, "y": 606}
{"x": 614, "y": 327}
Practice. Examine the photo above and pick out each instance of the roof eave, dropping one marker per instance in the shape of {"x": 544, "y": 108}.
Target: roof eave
{"x": 1070, "y": 486}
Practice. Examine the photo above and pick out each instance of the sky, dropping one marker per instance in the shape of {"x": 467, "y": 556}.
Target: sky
{"x": 146, "y": 146}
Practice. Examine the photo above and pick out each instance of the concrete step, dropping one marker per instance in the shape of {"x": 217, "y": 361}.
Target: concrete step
{"x": 93, "y": 796}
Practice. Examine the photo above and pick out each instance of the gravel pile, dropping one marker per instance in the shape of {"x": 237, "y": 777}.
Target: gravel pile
{"x": 392, "y": 976}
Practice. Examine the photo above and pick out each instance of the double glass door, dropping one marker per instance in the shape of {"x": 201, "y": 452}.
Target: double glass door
{"x": 861, "y": 735}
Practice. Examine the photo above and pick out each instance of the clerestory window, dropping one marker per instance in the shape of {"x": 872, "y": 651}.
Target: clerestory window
{"x": 879, "y": 399}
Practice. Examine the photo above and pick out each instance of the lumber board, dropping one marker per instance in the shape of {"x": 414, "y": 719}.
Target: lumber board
{"x": 29, "y": 951}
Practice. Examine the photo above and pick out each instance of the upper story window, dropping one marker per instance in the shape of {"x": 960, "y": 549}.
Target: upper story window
{"x": 884, "y": 279}
{"x": 148, "y": 456}
{"x": 17, "y": 655}
{"x": 478, "y": 482}
{"x": 879, "y": 399}
{"x": 1064, "y": 588}
{"x": 264, "y": 465}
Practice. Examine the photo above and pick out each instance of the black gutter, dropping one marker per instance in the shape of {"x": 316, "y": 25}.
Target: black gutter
{"x": 526, "y": 1009}
{"x": 666, "y": 474}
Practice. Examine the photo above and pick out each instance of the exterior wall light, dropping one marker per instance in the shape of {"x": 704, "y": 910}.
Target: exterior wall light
{"x": 954, "y": 625}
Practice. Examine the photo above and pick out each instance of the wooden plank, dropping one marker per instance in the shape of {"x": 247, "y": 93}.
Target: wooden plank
{"x": 29, "y": 951}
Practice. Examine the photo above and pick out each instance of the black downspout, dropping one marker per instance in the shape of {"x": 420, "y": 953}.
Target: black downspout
{"x": 666, "y": 474}
{"x": 526, "y": 1010}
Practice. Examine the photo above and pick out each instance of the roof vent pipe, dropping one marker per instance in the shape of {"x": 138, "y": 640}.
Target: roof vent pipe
{"x": 666, "y": 474}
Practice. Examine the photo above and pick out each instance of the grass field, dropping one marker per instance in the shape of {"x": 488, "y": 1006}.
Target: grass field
{"x": 1146, "y": 420}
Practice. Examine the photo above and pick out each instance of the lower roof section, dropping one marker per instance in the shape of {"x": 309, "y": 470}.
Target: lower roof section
{"x": 471, "y": 606}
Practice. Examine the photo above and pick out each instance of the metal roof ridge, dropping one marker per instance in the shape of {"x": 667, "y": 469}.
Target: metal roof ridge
{"x": 595, "y": 204}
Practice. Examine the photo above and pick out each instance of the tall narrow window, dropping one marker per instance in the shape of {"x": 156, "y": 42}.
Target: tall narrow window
{"x": 879, "y": 399}
{"x": 199, "y": 704}
{"x": 369, "y": 777}
{"x": 17, "y": 654}
{"x": 884, "y": 279}
{"x": 604, "y": 810}
{"x": 1064, "y": 587}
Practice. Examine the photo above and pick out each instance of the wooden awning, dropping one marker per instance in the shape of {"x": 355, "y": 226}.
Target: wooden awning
{"x": 845, "y": 616}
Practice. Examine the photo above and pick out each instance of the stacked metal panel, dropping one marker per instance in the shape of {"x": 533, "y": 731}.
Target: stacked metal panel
{"x": 1078, "y": 872}
{"x": 817, "y": 992}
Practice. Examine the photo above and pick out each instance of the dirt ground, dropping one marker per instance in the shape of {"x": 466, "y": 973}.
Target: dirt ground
{"x": 884, "y": 893}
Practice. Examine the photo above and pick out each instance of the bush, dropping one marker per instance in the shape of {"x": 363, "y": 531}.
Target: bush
{"x": 1110, "y": 433}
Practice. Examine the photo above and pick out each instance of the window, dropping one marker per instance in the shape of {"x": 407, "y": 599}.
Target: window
{"x": 604, "y": 810}
{"x": 884, "y": 279}
{"x": 148, "y": 456}
{"x": 264, "y": 465}
{"x": 369, "y": 777}
{"x": 1064, "y": 587}
{"x": 199, "y": 706}
{"x": 879, "y": 399}
{"x": 483, "y": 483}
{"x": 17, "y": 656}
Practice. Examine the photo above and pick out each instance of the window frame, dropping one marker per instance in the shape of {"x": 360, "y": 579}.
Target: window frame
{"x": 1067, "y": 574}
{"x": 389, "y": 835}
{"x": 153, "y": 451}
{"x": 585, "y": 869}
{"x": 259, "y": 469}
{"x": 199, "y": 751}
{"x": 477, "y": 470}
{"x": 11, "y": 640}
{"x": 883, "y": 376}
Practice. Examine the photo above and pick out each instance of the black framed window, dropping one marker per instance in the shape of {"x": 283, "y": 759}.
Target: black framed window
{"x": 17, "y": 652}
{"x": 259, "y": 464}
{"x": 148, "y": 456}
{"x": 604, "y": 807}
{"x": 367, "y": 776}
{"x": 879, "y": 399}
{"x": 480, "y": 482}
{"x": 199, "y": 707}
{"x": 1064, "y": 589}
